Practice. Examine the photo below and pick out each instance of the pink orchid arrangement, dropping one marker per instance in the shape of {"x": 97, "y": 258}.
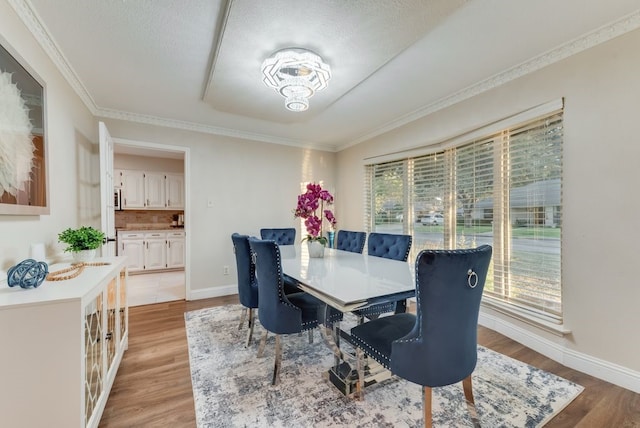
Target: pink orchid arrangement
{"x": 308, "y": 204}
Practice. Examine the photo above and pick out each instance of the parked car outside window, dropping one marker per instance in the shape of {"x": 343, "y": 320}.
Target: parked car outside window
{"x": 432, "y": 219}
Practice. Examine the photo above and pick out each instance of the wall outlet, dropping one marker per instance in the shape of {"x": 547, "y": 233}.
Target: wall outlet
{"x": 225, "y": 270}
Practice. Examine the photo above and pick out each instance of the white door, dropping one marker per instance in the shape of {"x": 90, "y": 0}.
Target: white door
{"x": 107, "y": 216}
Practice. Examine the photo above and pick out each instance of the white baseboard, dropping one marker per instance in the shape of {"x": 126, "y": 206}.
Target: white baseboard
{"x": 605, "y": 370}
{"x": 206, "y": 293}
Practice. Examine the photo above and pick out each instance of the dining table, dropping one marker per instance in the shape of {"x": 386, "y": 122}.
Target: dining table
{"x": 348, "y": 281}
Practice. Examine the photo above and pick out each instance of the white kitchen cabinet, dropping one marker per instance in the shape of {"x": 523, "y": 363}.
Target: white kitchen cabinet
{"x": 117, "y": 178}
{"x": 151, "y": 190}
{"x": 62, "y": 344}
{"x": 132, "y": 245}
{"x": 155, "y": 190}
{"x": 175, "y": 191}
{"x": 151, "y": 250}
{"x": 175, "y": 249}
{"x": 133, "y": 194}
{"x": 155, "y": 253}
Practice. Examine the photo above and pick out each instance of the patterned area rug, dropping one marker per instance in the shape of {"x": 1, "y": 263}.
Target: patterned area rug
{"x": 232, "y": 387}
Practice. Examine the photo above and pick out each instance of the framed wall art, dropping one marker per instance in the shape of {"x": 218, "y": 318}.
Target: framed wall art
{"x": 24, "y": 188}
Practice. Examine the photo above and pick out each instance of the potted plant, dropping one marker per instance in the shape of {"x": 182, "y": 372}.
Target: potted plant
{"x": 82, "y": 242}
{"x": 307, "y": 208}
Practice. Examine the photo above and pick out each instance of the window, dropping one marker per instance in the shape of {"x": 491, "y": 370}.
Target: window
{"x": 502, "y": 189}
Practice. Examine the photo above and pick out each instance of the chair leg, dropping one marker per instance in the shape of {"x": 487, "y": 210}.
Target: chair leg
{"x": 426, "y": 404}
{"x": 278, "y": 362}
{"x": 471, "y": 405}
{"x": 251, "y": 324}
{"x": 243, "y": 315}
{"x": 360, "y": 370}
{"x": 263, "y": 343}
{"x": 310, "y": 335}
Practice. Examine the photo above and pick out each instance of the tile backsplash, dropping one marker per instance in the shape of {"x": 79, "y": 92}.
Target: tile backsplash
{"x": 133, "y": 218}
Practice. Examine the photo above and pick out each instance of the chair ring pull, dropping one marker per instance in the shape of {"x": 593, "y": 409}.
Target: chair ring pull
{"x": 254, "y": 257}
{"x": 472, "y": 279}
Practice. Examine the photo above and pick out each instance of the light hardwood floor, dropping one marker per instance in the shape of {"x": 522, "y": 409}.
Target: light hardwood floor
{"x": 153, "y": 385}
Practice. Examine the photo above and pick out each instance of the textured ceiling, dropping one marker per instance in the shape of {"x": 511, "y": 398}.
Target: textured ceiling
{"x": 196, "y": 64}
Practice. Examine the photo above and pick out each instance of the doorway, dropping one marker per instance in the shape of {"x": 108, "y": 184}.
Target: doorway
{"x": 155, "y": 286}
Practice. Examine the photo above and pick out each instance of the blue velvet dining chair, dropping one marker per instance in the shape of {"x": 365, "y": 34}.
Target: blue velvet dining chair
{"x": 389, "y": 246}
{"x": 438, "y": 345}
{"x": 283, "y": 236}
{"x": 281, "y": 313}
{"x": 351, "y": 241}
{"x": 247, "y": 284}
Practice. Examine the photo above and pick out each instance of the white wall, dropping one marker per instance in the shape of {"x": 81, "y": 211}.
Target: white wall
{"x": 72, "y": 160}
{"x": 253, "y": 185}
{"x": 601, "y": 231}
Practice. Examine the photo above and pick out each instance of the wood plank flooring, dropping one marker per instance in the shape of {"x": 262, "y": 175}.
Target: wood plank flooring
{"x": 153, "y": 385}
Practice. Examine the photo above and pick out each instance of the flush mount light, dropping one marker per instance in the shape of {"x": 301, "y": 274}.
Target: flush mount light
{"x": 296, "y": 74}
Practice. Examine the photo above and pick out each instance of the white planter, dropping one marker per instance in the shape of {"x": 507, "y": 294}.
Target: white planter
{"x": 316, "y": 249}
{"x": 84, "y": 255}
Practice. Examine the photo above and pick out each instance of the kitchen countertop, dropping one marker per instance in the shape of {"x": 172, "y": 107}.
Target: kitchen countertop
{"x": 130, "y": 227}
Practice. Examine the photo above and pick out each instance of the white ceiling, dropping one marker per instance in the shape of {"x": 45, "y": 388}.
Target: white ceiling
{"x": 196, "y": 64}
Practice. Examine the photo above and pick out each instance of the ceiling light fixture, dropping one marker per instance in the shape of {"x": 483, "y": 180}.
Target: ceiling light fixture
{"x": 296, "y": 74}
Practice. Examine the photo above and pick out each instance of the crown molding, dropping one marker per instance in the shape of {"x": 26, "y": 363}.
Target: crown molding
{"x": 33, "y": 22}
{"x": 603, "y": 34}
{"x": 208, "y": 129}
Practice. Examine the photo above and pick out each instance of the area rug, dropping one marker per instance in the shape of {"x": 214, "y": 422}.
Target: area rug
{"x": 232, "y": 387}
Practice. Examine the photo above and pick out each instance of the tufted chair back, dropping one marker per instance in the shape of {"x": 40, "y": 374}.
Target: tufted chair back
{"x": 247, "y": 285}
{"x": 444, "y": 337}
{"x": 275, "y": 312}
{"x": 283, "y": 236}
{"x": 389, "y": 246}
{"x": 441, "y": 336}
{"x": 351, "y": 241}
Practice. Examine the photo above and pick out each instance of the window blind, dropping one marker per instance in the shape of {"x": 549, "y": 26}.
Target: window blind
{"x": 503, "y": 189}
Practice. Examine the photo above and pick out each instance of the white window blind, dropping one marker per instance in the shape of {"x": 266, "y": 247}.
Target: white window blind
{"x": 429, "y": 189}
{"x": 527, "y": 269}
{"x": 387, "y": 201}
{"x": 503, "y": 189}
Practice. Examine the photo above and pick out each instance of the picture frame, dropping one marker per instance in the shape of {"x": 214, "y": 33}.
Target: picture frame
{"x": 24, "y": 184}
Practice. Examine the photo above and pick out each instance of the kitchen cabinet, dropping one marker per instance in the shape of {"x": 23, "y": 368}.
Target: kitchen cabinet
{"x": 155, "y": 253}
{"x": 62, "y": 344}
{"x": 155, "y": 190}
{"x": 175, "y": 249}
{"x": 117, "y": 178}
{"x": 151, "y": 190}
{"x": 133, "y": 195}
{"x": 131, "y": 244}
{"x": 152, "y": 250}
{"x": 175, "y": 191}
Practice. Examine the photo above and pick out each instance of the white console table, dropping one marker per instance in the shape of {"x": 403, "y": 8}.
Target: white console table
{"x": 61, "y": 347}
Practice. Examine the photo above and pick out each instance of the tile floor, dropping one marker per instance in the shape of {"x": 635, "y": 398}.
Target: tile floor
{"x": 148, "y": 288}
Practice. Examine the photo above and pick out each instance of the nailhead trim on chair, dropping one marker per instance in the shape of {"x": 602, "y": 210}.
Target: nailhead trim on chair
{"x": 386, "y": 363}
{"x": 281, "y": 294}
